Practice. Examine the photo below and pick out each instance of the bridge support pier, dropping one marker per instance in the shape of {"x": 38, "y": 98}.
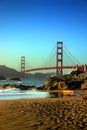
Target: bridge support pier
{"x": 22, "y": 63}
{"x": 59, "y": 58}
{"x": 85, "y": 67}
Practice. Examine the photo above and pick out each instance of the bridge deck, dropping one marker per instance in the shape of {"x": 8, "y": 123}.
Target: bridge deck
{"x": 54, "y": 67}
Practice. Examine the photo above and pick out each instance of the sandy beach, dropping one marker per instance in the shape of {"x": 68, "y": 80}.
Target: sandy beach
{"x": 67, "y": 113}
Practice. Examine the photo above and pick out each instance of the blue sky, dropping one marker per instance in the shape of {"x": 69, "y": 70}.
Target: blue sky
{"x": 31, "y": 28}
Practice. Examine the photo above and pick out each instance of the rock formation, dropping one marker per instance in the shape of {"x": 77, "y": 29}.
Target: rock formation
{"x": 74, "y": 80}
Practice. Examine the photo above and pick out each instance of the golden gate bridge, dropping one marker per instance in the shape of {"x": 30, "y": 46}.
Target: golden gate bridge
{"x": 59, "y": 63}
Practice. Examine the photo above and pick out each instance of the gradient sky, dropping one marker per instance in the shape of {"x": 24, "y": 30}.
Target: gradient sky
{"x": 31, "y": 28}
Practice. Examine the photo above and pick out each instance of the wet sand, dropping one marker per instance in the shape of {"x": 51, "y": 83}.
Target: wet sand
{"x": 67, "y": 113}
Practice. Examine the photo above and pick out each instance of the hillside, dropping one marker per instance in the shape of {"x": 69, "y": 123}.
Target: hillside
{"x": 8, "y": 72}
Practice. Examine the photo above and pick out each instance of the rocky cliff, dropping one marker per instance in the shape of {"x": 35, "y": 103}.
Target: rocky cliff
{"x": 74, "y": 80}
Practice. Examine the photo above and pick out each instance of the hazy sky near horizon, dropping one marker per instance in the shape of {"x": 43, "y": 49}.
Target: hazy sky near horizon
{"x": 31, "y": 28}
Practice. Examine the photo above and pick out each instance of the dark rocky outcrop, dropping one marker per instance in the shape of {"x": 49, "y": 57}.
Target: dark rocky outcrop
{"x": 74, "y": 80}
{"x": 74, "y": 85}
{"x": 55, "y": 83}
{"x": 7, "y": 86}
{"x": 23, "y": 87}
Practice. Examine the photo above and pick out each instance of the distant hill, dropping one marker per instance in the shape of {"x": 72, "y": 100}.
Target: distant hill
{"x": 8, "y": 72}
{"x": 11, "y": 73}
{"x": 39, "y": 75}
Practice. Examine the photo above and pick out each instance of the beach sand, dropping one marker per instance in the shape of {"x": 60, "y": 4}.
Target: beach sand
{"x": 66, "y": 113}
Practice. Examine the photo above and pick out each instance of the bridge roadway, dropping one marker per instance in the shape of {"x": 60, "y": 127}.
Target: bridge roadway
{"x": 54, "y": 67}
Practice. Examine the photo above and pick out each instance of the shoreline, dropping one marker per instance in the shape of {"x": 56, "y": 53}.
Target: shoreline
{"x": 68, "y": 97}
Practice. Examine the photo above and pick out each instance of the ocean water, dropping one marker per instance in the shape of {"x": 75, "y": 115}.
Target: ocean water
{"x": 29, "y": 82}
{"x": 14, "y": 93}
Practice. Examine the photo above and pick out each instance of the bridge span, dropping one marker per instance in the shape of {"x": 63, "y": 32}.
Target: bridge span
{"x": 59, "y": 67}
